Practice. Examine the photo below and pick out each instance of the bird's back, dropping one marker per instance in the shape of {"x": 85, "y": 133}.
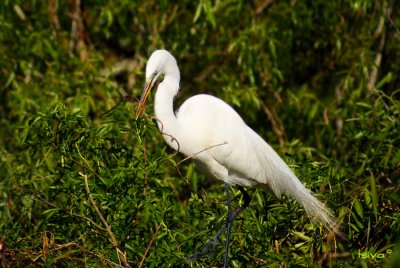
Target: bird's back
{"x": 206, "y": 121}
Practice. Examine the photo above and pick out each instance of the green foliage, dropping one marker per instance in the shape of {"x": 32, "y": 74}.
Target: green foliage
{"x": 302, "y": 74}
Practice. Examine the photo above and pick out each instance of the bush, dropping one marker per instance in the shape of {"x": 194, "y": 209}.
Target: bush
{"x": 85, "y": 184}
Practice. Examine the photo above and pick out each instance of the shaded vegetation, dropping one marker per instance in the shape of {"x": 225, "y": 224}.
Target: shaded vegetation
{"x": 317, "y": 79}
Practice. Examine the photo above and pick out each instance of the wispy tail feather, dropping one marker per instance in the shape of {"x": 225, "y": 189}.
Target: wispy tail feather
{"x": 273, "y": 175}
{"x": 313, "y": 207}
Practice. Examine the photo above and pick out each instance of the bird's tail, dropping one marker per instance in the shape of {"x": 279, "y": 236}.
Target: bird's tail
{"x": 276, "y": 177}
{"x": 286, "y": 182}
{"x": 313, "y": 207}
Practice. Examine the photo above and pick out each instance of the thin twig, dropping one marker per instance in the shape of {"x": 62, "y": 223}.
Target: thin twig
{"x": 378, "y": 58}
{"x": 53, "y": 17}
{"x": 190, "y": 156}
{"x": 161, "y": 128}
{"x": 199, "y": 152}
{"x": 277, "y": 251}
{"x": 275, "y": 127}
{"x": 105, "y": 223}
{"x": 145, "y": 165}
{"x": 389, "y": 12}
{"x": 173, "y": 139}
{"x": 263, "y": 6}
{"x": 85, "y": 167}
{"x": 124, "y": 98}
{"x": 78, "y": 33}
{"x": 57, "y": 247}
{"x": 44, "y": 201}
{"x": 149, "y": 245}
{"x": 251, "y": 256}
{"x": 177, "y": 150}
{"x": 276, "y": 246}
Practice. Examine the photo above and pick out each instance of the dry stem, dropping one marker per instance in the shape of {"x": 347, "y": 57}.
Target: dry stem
{"x": 149, "y": 245}
{"x": 121, "y": 255}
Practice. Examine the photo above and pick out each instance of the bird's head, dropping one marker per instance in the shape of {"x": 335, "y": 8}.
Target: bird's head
{"x": 161, "y": 62}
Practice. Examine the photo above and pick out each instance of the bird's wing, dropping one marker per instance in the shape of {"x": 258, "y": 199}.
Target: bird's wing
{"x": 226, "y": 148}
{"x": 209, "y": 124}
{"x": 248, "y": 157}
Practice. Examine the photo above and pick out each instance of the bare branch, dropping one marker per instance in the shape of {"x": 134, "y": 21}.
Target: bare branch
{"x": 199, "y": 152}
{"x": 20, "y": 12}
{"x": 275, "y": 127}
{"x": 85, "y": 167}
{"x": 121, "y": 255}
{"x": 53, "y": 17}
{"x": 173, "y": 139}
{"x": 378, "y": 58}
{"x": 145, "y": 165}
{"x": 261, "y": 8}
{"x": 149, "y": 245}
{"x": 78, "y": 34}
{"x": 389, "y": 12}
{"x": 58, "y": 247}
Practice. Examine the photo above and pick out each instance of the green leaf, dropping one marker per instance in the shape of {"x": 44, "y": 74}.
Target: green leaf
{"x": 374, "y": 196}
{"x": 385, "y": 80}
{"x": 357, "y": 205}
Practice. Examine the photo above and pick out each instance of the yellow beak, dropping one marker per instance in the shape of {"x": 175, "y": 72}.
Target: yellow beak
{"x": 146, "y": 91}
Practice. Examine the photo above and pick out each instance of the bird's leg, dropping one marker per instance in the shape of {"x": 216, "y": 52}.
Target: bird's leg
{"x": 232, "y": 216}
{"x": 246, "y": 202}
{"x": 229, "y": 221}
{"x": 210, "y": 246}
{"x": 214, "y": 241}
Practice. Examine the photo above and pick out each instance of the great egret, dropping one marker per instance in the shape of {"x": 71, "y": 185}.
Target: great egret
{"x": 209, "y": 131}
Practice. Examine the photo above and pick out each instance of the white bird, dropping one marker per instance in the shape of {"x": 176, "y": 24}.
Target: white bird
{"x": 212, "y": 133}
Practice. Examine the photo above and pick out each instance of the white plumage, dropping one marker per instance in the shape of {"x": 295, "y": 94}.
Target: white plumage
{"x": 220, "y": 142}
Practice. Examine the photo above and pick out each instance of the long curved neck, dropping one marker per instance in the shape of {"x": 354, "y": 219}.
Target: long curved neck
{"x": 164, "y": 108}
